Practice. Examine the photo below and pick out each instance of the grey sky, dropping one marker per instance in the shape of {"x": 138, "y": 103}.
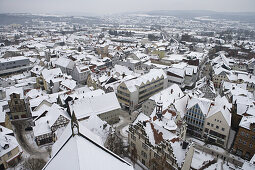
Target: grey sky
{"x": 117, "y": 6}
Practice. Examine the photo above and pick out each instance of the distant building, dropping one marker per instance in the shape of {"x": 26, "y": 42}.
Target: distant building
{"x": 80, "y": 73}
{"x": 205, "y": 88}
{"x": 14, "y": 64}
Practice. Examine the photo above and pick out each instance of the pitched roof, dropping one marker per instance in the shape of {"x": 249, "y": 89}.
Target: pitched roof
{"x": 83, "y": 151}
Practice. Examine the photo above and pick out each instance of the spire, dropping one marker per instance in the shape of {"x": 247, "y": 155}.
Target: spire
{"x": 159, "y": 108}
{"x": 74, "y": 125}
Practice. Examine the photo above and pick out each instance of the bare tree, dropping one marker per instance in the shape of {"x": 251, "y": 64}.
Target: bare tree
{"x": 34, "y": 164}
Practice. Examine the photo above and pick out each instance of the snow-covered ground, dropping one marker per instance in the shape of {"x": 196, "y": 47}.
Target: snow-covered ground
{"x": 216, "y": 148}
{"x": 124, "y": 131}
{"x": 200, "y": 158}
{"x": 30, "y": 139}
{"x": 119, "y": 123}
{"x": 221, "y": 165}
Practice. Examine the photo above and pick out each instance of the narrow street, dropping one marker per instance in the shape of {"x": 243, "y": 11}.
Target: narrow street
{"x": 18, "y": 127}
{"x": 126, "y": 120}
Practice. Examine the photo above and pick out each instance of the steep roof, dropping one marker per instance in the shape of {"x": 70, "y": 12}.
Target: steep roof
{"x": 83, "y": 151}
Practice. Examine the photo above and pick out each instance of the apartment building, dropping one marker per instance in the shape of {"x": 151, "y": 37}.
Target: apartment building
{"x": 14, "y": 64}
{"x": 132, "y": 93}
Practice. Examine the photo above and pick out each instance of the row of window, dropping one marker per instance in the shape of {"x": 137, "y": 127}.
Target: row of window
{"x": 217, "y": 127}
{"x": 244, "y": 143}
{"x": 247, "y": 135}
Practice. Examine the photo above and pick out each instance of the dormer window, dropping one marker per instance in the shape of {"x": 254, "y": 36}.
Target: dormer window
{"x": 6, "y": 146}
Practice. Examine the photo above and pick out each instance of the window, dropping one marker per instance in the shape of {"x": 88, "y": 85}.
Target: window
{"x": 244, "y": 142}
{"x": 208, "y": 123}
{"x": 132, "y": 144}
{"x": 143, "y": 162}
{"x": 250, "y": 145}
{"x": 133, "y": 137}
{"x": 144, "y": 154}
{"x": 212, "y": 125}
{"x": 242, "y": 133}
{"x": 217, "y": 127}
{"x": 9, "y": 154}
{"x": 223, "y": 129}
{"x": 145, "y": 147}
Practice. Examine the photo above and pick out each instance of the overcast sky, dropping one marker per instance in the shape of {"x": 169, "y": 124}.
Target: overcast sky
{"x": 118, "y": 6}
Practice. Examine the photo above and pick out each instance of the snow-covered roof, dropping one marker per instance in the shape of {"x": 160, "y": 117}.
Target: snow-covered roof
{"x": 95, "y": 105}
{"x": 149, "y": 77}
{"x": 65, "y": 62}
{"x": 85, "y": 153}
{"x": 247, "y": 121}
{"x": 222, "y": 105}
{"x": 203, "y": 103}
{"x": 168, "y": 95}
{"x": 16, "y": 90}
{"x": 6, "y": 139}
{"x": 52, "y": 75}
{"x": 97, "y": 126}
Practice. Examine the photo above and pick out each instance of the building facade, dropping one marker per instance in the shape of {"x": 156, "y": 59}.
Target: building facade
{"x": 132, "y": 93}
{"x": 244, "y": 145}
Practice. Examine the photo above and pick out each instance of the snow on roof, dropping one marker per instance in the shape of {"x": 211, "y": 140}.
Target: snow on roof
{"x": 86, "y": 152}
{"x": 204, "y": 81}
{"x": 222, "y": 105}
{"x": 168, "y": 95}
{"x": 181, "y": 105}
{"x": 97, "y": 126}
{"x": 247, "y": 121}
{"x": 178, "y": 69}
{"x": 152, "y": 75}
{"x": 199, "y": 158}
{"x": 51, "y": 74}
{"x": 7, "y": 139}
{"x": 174, "y": 57}
{"x": 10, "y": 59}
{"x": 64, "y": 62}
{"x": 81, "y": 93}
{"x": 68, "y": 84}
{"x": 95, "y": 105}
{"x": 120, "y": 70}
{"x": 203, "y": 103}
{"x": 37, "y": 69}
{"x": 43, "y": 124}
{"x": 141, "y": 117}
{"x": 15, "y": 90}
